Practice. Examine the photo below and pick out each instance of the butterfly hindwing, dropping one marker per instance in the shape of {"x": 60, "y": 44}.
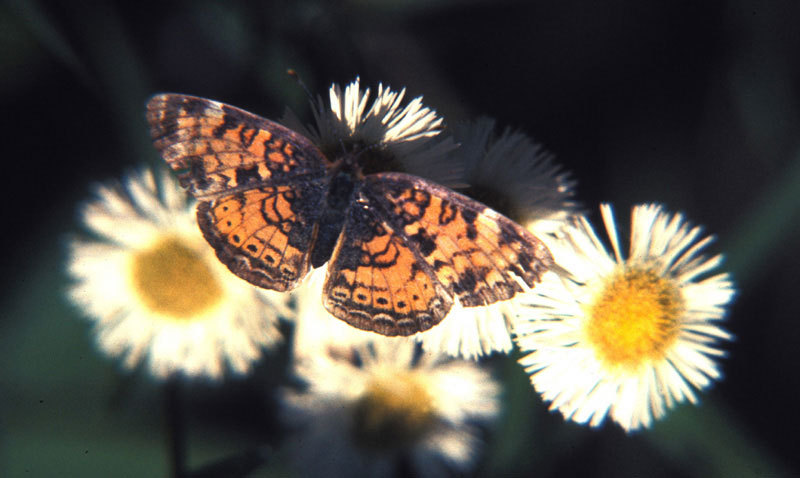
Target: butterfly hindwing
{"x": 264, "y": 235}
{"x": 377, "y": 282}
{"x": 477, "y": 254}
{"x": 216, "y": 148}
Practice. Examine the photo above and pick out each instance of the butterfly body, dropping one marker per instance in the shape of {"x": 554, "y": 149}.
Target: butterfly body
{"x": 399, "y": 249}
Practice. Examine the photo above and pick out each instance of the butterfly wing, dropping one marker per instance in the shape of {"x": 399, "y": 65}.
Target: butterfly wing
{"x": 258, "y": 184}
{"x": 216, "y": 148}
{"x": 376, "y": 280}
{"x": 476, "y": 253}
{"x": 409, "y": 246}
{"x": 264, "y": 235}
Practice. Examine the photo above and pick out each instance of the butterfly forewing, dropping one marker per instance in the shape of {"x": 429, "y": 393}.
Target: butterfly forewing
{"x": 216, "y": 148}
{"x": 476, "y": 253}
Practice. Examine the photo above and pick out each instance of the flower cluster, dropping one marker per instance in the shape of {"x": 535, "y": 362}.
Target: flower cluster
{"x": 604, "y": 334}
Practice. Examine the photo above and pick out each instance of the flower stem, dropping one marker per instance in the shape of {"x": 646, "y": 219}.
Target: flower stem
{"x": 176, "y": 433}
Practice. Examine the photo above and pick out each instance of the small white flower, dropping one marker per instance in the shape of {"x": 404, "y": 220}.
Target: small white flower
{"x": 385, "y": 133}
{"x": 369, "y": 407}
{"x": 626, "y": 338}
{"x": 155, "y": 291}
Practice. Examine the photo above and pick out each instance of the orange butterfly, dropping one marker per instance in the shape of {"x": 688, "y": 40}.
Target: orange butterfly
{"x": 399, "y": 248}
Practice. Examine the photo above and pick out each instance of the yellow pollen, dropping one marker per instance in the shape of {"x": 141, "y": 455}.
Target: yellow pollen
{"x": 394, "y": 412}
{"x": 174, "y": 280}
{"x": 634, "y": 319}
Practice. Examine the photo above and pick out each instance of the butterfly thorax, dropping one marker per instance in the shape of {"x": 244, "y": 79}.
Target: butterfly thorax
{"x": 343, "y": 175}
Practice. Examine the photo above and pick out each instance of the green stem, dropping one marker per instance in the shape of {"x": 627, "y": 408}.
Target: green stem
{"x": 176, "y": 432}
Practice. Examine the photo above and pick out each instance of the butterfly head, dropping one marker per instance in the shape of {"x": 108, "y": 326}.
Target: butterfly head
{"x": 359, "y": 159}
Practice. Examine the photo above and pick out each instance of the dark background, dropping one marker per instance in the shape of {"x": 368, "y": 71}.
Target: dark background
{"x": 690, "y": 104}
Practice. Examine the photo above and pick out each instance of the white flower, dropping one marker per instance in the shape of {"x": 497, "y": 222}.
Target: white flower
{"x": 628, "y": 338}
{"x": 371, "y": 408}
{"x": 155, "y": 291}
{"x": 386, "y": 135}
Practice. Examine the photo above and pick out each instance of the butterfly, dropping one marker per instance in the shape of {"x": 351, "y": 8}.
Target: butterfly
{"x": 399, "y": 249}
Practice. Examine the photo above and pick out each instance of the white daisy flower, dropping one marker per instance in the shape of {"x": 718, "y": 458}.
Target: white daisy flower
{"x": 626, "y": 338}
{"x": 516, "y": 177}
{"x": 155, "y": 291}
{"x": 372, "y": 409}
{"x": 389, "y": 135}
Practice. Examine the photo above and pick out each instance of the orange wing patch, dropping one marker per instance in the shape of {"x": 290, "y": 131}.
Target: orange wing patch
{"x": 263, "y": 235}
{"x": 376, "y": 282}
{"x": 476, "y": 253}
{"x": 216, "y": 148}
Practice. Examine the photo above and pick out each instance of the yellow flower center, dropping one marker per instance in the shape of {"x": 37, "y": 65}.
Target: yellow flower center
{"x": 635, "y": 319}
{"x": 174, "y": 280}
{"x": 394, "y": 412}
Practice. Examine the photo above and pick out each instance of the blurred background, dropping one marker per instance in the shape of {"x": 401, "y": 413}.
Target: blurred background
{"x": 690, "y": 104}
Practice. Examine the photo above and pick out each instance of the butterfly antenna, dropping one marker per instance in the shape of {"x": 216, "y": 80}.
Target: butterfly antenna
{"x": 296, "y": 77}
{"x": 366, "y": 149}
